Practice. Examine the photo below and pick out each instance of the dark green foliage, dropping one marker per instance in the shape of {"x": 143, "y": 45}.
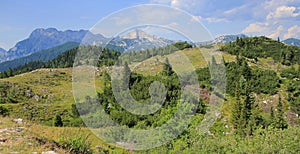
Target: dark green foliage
{"x": 245, "y": 114}
{"x": 280, "y": 121}
{"x": 108, "y": 57}
{"x": 264, "y": 81}
{"x": 290, "y": 73}
{"x": 58, "y": 121}
{"x": 264, "y": 47}
{"x": 259, "y": 81}
{"x": 294, "y": 96}
{"x": 3, "y": 111}
{"x": 237, "y": 117}
{"x": 182, "y": 45}
{"x": 74, "y": 110}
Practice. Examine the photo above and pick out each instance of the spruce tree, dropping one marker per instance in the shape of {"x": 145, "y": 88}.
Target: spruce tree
{"x": 280, "y": 120}
{"x": 237, "y": 118}
{"x": 272, "y": 117}
{"x": 58, "y": 121}
{"x": 167, "y": 69}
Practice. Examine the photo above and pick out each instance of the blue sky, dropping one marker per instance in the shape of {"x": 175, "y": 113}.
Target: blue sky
{"x": 271, "y": 18}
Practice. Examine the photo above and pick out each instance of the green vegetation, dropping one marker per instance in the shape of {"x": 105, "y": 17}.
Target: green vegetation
{"x": 58, "y": 121}
{"x": 262, "y": 47}
{"x": 260, "y": 113}
{"x": 77, "y": 144}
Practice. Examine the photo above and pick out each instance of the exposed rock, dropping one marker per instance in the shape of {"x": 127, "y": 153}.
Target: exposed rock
{"x": 36, "y": 97}
{"x": 29, "y": 93}
{"x": 49, "y": 152}
{"x": 18, "y": 121}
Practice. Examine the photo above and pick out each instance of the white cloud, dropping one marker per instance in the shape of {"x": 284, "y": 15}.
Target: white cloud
{"x": 284, "y": 12}
{"x": 196, "y": 18}
{"x": 257, "y": 27}
{"x": 264, "y": 29}
{"x": 273, "y": 17}
{"x": 160, "y": 1}
{"x": 211, "y": 20}
{"x": 277, "y": 32}
{"x": 235, "y": 10}
{"x": 293, "y": 32}
{"x": 266, "y": 17}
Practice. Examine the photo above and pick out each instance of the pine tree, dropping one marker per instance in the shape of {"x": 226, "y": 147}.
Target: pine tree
{"x": 74, "y": 110}
{"x": 167, "y": 69}
{"x": 246, "y": 70}
{"x": 272, "y": 117}
{"x": 58, "y": 121}
{"x": 126, "y": 76}
{"x": 106, "y": 78}
{"x": 280, "y": 120}
{"x": 237, "y": 117}
{"x": 249, "y": 102}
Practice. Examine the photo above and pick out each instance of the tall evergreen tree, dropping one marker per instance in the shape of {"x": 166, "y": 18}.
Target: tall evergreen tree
{"x": 167, "y": 69}
{"x": 58, "y": 121}
{"x": 237, "y": 113}
{"x": 280, "y": 120}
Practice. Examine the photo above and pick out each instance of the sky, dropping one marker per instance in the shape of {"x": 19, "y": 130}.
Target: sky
{"x": 271, "y": 18}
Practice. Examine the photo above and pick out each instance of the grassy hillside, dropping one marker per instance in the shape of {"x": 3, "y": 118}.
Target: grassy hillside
{"x": 42, "y": 94}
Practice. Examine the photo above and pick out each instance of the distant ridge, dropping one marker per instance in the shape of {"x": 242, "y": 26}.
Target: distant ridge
{"x": 43, "y": 56}
{"x": 292, "y": 41}
{"x": 2, "y": 50}
{"x": 42, "y": 39}
{"x": 223, "y": 39}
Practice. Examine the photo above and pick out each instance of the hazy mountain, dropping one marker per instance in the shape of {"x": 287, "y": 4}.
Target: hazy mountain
{"x": 224, "y": 39}
{"x": 2, "y": 50}
{"x": 292, "y": 41}
{"x": 41, "y": 39}
{"x": 43, "y": 56}
{"x": 138, "y": 40}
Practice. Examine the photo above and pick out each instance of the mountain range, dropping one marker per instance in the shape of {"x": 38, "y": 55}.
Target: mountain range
{"x": 45, "y": 44}
{"x": 42, "y": 39}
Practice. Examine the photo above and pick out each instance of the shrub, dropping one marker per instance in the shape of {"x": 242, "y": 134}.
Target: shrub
{"x": 3, "y": 111}
{"x": 77, "y": 144}
{"x": 58, "y": 121}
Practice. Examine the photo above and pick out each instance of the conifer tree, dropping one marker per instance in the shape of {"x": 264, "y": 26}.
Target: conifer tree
{"x": 167, "y": 69}
{"x": 280, "y": 120}
{"x": 58, "y": 121}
